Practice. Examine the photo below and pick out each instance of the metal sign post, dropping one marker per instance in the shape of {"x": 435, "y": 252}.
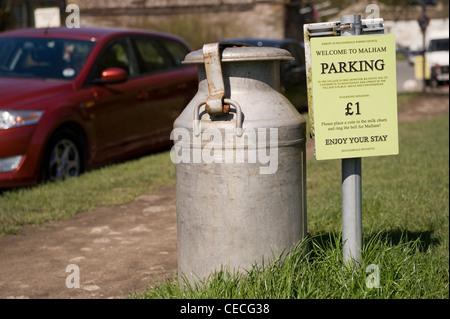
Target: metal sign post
{"x": 351, "y": 179}
{"x": 423, "y": 21}
{"x": 352, "y": 101}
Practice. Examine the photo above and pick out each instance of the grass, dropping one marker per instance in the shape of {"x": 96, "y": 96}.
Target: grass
{"x": 121, "y": 183}
{"x": 405, "y": 223}
{"x": 405, "y": 232}
{"x": 404, "y": 98}
{"x": 108, "y": 186}
{"x": 313, "y": 270}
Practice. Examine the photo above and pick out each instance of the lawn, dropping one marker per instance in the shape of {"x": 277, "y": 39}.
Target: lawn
{"x": 405, "y": 223}
{"x": 405, "y": 232}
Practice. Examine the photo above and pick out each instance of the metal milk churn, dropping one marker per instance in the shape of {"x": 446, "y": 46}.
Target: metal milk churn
{"x": 239, "y": 150}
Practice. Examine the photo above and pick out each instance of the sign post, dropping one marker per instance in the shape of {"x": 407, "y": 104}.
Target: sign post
{"x": 351, "y": 176}
{"x": 352, "y": 106}
{"x": 423, "y": 21}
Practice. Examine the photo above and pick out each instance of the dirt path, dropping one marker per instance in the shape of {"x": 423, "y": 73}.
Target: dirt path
{"x": 116, "y": 250}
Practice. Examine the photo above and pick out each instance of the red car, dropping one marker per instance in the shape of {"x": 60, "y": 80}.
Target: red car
{"x": 76, "y": 98}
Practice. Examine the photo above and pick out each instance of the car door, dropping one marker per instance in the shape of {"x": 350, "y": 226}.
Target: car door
{"x": 166, "y": 85}
{"x": 137, "y": 115}
{"x": 115, "y": 110}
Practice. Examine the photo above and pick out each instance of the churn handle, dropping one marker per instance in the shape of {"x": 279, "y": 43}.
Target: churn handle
{"x": 238, "y": 130}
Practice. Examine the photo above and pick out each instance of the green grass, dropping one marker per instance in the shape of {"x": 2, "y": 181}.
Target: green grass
{"x": 405, "y": 222}
{"x": 405, "y": 232}
{"x": 408, "y": 191}
{"x": 107, "y": 186}
{"x": 314, "y": 271}
{"x": 112, "y": 185}
{"x": 404, "y": 98}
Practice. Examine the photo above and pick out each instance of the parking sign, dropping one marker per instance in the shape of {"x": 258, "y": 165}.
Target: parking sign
{"x": 355, "y": 96}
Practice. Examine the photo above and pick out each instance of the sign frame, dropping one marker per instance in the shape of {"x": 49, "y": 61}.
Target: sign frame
{"x": 333, "y": 30}
{"x": 355, "y": 96}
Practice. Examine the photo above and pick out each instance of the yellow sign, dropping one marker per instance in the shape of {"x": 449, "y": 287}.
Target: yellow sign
{"x": 354, "y": 96}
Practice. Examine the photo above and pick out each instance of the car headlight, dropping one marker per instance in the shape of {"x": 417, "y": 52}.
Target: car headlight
{"x": 9, "y": 119}
{"x": 10, "y": 163}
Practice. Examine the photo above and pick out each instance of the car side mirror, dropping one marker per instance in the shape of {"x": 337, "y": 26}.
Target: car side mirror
{"x": 114, "y": 76}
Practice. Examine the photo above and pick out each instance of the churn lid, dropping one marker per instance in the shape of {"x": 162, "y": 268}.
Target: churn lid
{"x": 236, "y": 52}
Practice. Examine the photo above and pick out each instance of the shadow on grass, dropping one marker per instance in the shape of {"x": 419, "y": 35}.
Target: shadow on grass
{"x": 394, "y": 237}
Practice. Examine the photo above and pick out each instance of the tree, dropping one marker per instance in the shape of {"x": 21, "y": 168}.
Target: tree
{"x": 5, "y": 15}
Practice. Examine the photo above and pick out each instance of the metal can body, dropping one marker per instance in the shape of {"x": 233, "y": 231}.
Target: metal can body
{"x": 240, "y": 199}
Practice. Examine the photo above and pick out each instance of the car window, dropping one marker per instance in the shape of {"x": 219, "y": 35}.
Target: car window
{"x": 177, "y": 50}
{"x": 439, "y": 45}
{"x": 149, "y": 57}
{"x": 116, "y": 55}
{"x": 43, "y": 57}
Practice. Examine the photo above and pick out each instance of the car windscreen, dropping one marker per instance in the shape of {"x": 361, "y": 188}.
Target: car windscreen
{"x": 439, "y": 45}
{"x": 43, "y": 58}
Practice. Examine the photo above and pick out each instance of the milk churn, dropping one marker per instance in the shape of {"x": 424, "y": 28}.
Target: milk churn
{"x": 239, "y": 150}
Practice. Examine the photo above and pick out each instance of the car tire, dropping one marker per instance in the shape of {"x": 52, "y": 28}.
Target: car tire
{"x": 434, "y": 83}
{"x": 63, "y": 158}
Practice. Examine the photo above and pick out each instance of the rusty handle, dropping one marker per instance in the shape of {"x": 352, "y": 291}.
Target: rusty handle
{"x": 216, "y": 87}
{"x": 238, "y": 130}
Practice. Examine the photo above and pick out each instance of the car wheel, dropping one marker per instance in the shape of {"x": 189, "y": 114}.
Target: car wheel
{"x": 434, "y": 83}
{"x": 63, "y": 157}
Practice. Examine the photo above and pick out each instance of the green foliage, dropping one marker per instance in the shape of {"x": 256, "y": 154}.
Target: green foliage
{"x": 314, "y": 270}
{"x": 405, "y": 233}
{"x": 405, "y": 223}
{"x": 107, "y": 186}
